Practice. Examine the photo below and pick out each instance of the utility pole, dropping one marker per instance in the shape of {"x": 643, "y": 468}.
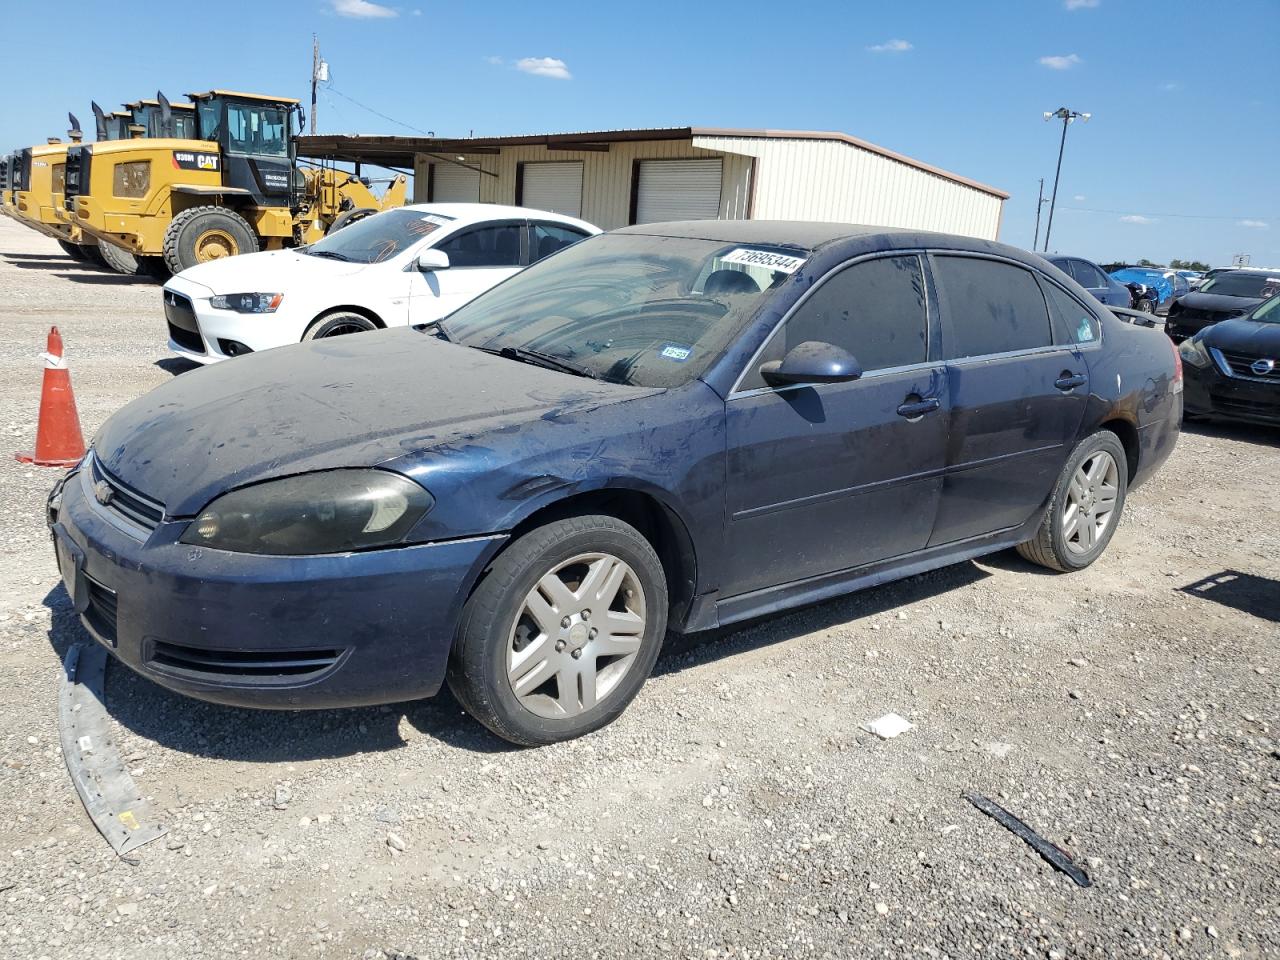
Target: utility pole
{"x": 315, "y": 76}
{"x": 1039, "y": 206}
{"x": 1067, "y": 117}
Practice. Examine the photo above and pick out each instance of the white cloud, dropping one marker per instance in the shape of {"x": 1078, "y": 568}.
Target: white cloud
{"x": 891, "y": 46}
{"x": 417, "y": 13}
{"x": 1171, "y": 86}
{"x": 362, "y": 9}
{"x": 1081, "y": 4}
{"x": 1254, "y": 224}
{"x": 493, "y": 61}
{"x": 544, "y": 67}
{"x": 1136, "y": 218}
{"x": 1079, "y": 198}
{"x": 1060, "y": 62}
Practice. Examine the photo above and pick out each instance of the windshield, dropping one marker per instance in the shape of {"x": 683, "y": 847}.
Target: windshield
{"x": 257, "y": 131}
{"x": 629, "y": 308}
{"x": 380, "y": 237}
{"x": 1242, "y": 285}
{"x": 1269, "y": 312}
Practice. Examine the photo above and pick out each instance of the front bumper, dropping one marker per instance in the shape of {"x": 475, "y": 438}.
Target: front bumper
{"x": 259, "y": 631}
{"x": 202, "y": 334}
{"x": 1209, "y": 392}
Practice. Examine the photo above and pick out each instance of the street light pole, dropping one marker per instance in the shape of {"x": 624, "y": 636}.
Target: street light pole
{"x": 1067, "y": 117}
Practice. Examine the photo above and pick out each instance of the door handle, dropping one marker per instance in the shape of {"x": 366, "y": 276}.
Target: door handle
{"x": 914, "y": 409}
{"x": 1069, "y": 381}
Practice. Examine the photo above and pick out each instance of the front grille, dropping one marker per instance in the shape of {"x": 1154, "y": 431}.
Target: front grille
{"x": 122, "y": 500}
{"x": 100, "y": 614}
{"x": 1241, "y": 365}
{"x": 76, "y": 175}
{"x": 248, "y": 665}
{"x": 183, "y": 328}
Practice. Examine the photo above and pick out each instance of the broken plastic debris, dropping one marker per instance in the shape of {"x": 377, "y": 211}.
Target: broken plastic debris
{"x": 888, "y": 726}
{"x": 1054, "y": 855}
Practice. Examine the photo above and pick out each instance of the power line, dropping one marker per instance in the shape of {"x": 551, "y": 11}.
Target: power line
{"x": 407, "y": 126}
{"x": 1179, "y": 216}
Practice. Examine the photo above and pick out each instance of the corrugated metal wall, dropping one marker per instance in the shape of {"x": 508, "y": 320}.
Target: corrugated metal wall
{"x": 803, "y": 179}
{"x": 606, "y": 177}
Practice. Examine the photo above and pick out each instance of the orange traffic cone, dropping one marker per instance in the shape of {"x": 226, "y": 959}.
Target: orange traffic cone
{"x": 59, "y": 442}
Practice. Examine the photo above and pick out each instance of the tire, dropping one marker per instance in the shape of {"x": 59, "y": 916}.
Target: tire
{"x": 202, "y": 234}
{"x": 119, "y": 259}
{"x": 93, "y": 255}
{"x": 350, "y": 217}
{"x": 1146, "y": 306}
{"x": 337, "y": 324}
{"x": 74, "y": 250}
{"x": 1060, "y": 545}
{"x": 497, "y": 628}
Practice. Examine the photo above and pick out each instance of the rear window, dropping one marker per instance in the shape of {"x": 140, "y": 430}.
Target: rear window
{"x": 992, "y": 307}
{"x": 1242, "y": 285}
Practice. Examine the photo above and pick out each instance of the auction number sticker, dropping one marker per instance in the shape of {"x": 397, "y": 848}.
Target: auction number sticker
{"x": 675, "y": 351}
{"x": 780, "y": 262}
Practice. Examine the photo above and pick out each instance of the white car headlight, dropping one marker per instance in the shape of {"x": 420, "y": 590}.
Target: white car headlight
{"x": 247, "y": 302}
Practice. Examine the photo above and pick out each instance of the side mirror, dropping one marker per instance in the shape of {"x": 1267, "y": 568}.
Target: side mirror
{"x": 433, "y": 259}
{"x": 812, "y": 362}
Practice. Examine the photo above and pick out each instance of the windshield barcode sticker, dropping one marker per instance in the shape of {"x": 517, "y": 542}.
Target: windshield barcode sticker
{"x": 780, "y": 262}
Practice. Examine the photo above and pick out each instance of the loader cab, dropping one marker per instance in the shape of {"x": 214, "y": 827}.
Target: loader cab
{"x": 148, "y": 114}
{"x": 257, "y": 140}
{"x": 118, "y": 125}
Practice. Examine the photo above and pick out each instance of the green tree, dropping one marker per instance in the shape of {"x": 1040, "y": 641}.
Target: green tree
{"x": 1144, "y": 262}
{"x": 1188, "y": 265}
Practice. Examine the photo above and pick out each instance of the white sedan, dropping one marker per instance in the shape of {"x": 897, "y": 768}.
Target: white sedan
{"x": 410, "y": 265}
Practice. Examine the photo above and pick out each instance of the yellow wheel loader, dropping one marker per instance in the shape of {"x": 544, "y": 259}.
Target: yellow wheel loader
{"x": 36, "y": 176}
{"x": 235, "y": 189}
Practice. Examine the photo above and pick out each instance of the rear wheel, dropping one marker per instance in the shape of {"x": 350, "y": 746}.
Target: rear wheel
{"x": 204, "y": 234}
{"x": 119, "y": 259}
{"x": 350, "y": 217}
{"x": 561, "y": 632}
{"x": 1085, "y": 506}
{"x": 337, "y": 324}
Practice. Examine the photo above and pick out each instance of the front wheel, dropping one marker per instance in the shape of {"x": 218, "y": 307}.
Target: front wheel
{"x": 1084, "y": 508}
{"x": 561, "y": 632}
{"x": 119, "y": 259}
{"x": 338, "y": 324}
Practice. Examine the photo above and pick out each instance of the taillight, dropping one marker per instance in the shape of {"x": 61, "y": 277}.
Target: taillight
{"x": 1176, "y": 385}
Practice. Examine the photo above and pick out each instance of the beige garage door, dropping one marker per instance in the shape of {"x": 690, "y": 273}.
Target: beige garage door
{"x": 451, "y": 183}
{"x": 553, "y": 186}
{"x": 678, "y": 190}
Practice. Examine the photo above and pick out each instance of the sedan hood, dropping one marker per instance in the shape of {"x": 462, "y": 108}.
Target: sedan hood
{"x": 1216, "y": 303}
{"x": 1251, "y": 337}
{"x": 271, "y": 272}
{"x": 351, "y": 401}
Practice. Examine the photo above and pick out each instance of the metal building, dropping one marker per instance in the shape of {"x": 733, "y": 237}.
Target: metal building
{"x": 618, "y": 177}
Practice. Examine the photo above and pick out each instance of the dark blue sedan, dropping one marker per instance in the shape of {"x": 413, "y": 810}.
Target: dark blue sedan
{"x": 672, "y": 426}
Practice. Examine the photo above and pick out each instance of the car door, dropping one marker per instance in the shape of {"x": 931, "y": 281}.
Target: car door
{"x": 826, "y": 477}
{"x": 480, "y": 256}
{"x": 1017, "y": 395}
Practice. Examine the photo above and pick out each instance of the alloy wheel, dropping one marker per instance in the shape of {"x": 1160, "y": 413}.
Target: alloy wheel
{"x": 576, "y": 635}
{"x": 1091, "y": 502}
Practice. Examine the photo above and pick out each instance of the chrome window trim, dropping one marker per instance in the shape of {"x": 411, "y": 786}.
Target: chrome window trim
{"x": 1225, "y": 369}
{"x": 919, "y": 253}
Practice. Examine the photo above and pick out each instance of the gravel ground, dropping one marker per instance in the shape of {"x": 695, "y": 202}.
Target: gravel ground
{"x": 737, "y": 809}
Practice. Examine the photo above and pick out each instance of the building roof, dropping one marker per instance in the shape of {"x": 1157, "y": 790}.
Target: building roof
{"x": 399, "y": 151}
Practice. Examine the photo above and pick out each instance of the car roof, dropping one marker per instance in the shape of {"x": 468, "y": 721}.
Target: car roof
{"x": 466, "y": 213}
{"x": 854, "y": 238}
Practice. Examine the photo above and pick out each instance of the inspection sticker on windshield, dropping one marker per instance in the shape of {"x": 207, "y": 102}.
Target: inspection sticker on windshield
{"x": 780, "y": 262}
{"x": 439, "y": 219}
{"x": 675, "y": 351}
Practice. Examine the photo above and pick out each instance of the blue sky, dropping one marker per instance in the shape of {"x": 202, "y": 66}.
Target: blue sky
{"x": 1179, "y": 159}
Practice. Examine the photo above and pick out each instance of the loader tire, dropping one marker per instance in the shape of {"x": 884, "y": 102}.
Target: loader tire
{"x": 349, "y": 217}
{"x": 93, "y": 255}
{"x": 202, "y": 234}
{"x": 119, "y": 259}
{"x": 74, "y": 250}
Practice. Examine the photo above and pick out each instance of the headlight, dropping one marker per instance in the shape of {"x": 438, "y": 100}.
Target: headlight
{"x": 1193, "y": 352}
{"x": 247, "y": 302}
{"x": 332, "y": 512}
